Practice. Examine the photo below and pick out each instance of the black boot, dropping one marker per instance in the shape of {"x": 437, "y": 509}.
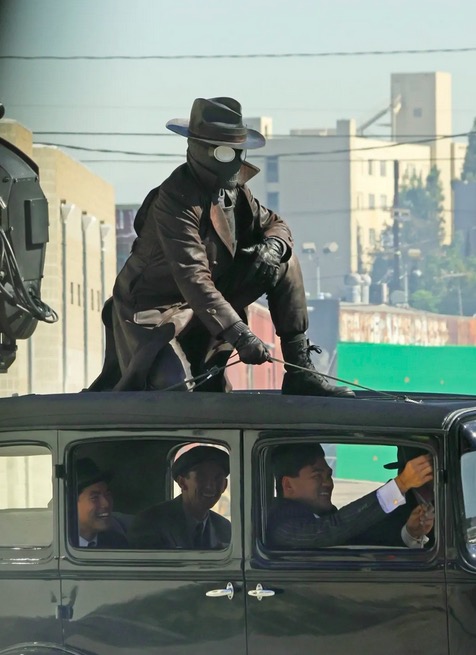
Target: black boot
{"x": 310, "y": 382}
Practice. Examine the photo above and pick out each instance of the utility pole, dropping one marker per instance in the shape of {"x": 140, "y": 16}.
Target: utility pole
{"x": 397, "y": 255}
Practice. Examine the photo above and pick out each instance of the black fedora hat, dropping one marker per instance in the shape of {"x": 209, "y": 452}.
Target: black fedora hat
{"x": 88, "y": 473}
{"x": 218, "y": 121}
{"x": 197, "y": 455}
{"x": 404, "y": 455}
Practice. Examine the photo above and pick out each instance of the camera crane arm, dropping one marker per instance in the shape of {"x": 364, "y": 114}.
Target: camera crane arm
{"x": 23, "y": 239}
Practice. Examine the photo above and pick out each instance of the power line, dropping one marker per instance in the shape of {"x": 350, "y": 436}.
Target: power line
{"x": 263, "y": 55}
{"x": 366, "y": 148}
{"x": 108, "y": 150}
{"x": 180, "y": 158}
{"x": 273, "y": 136}
{"x": 284, "y": 154}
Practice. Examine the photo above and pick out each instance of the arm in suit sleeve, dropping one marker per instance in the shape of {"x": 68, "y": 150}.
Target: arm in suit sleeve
{"x": 144, "y": 533}
{"x": 292, "y": 525}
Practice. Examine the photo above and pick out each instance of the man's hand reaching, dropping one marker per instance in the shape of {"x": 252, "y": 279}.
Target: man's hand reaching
{"x": 416, "y": 473}
{"x": 421, "y": 521}
{"x": 250, "y": 348}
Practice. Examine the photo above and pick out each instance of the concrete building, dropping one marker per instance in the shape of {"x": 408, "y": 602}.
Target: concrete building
{"x": 465, "y": 216}
{"x": 336, "y": 186}
{"x": 79, "y": 272}
{"x": 424, "y": 111}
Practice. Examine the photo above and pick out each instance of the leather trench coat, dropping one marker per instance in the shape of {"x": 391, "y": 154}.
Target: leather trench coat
{"x": 182, "y": 263}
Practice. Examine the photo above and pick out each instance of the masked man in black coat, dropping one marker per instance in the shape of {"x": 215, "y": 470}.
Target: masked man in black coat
{"x": 205, "y": 250}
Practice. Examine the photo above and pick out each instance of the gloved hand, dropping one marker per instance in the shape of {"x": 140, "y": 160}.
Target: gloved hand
{"x": 265, "y": 260}
{"x": 250, "y": 349}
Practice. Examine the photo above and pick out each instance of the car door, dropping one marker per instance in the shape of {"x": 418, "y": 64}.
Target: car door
{"x": 172, "y": 601}
{"x": 362, "y": 599}
{"x": 30, "y": 607}
{"x": 461, "y": 534}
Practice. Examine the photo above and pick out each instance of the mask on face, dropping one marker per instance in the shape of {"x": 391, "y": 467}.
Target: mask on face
{"x": 223, "y": 162}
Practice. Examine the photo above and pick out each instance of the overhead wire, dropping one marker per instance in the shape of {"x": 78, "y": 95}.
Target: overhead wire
{"x": 258, "y": 55}
{"x": 273, "y": 136}
{"x": 289, "y": 154}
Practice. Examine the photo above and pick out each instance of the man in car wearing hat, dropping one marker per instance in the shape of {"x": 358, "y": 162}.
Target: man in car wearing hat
{"x": 94, "y": 506}
{"x": 205, "y": 250}
{"x": 304, "y": 517}
{"x": 188, "y": 521}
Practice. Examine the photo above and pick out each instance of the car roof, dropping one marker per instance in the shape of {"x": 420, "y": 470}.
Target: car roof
{"x": 252, "y": 410}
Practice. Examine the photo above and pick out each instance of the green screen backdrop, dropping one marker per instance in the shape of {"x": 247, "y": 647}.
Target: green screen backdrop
{"x": 450, "y": 369}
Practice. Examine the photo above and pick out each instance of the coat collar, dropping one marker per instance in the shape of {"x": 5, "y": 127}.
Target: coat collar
{"x": 221, "y": 226}
{"x": 207, "y": 180}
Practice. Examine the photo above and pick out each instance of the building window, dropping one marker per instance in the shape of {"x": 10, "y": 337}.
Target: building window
{"x": 273, "y": 200}
{"x": 71, "y": 292}
{"x": 372, "y": 238}
{"x": 383, "y": 168}
{"x": 371, "y": 166}
{"x": 92, "y": 299}
{"x": 120, "y": 219}
{"x": 79, "y": 295}
{"x": 383, "y": 202}
{"x": 272, "y": 169}
{"x": 417, "y": 112}
{"x": 371, "y": 201}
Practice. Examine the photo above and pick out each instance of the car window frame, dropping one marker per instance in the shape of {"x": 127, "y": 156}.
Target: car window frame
{"x": 144, "y": 557}
{"x": 40, "y": 555}
{"x": 372, "y": 557}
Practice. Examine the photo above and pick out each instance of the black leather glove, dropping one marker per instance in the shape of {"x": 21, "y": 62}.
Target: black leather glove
{"x": 265, "y": 260}
{"x": 250, "y": 349}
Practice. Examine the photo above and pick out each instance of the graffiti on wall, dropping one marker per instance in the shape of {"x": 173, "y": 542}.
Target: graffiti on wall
{"x": 400, "y": 328}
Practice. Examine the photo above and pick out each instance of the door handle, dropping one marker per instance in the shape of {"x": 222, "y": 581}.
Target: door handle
{"x": 218, "y": 593}
{"x": 260, "y": 593}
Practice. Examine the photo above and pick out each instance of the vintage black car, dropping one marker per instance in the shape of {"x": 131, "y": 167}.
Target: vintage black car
{"x": 367, "y": 598}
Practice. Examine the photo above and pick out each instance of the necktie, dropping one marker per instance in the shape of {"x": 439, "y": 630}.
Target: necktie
{"x": 92, "y": 544}
{"x": 198, "y": 541}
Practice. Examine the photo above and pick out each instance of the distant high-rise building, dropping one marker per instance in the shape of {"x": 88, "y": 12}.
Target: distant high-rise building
{"x": 425, "y": 112}
{"x": 336, "y": 186}
{"x": 125, "y": 233}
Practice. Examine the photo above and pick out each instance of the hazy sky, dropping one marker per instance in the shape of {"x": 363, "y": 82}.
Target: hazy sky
{"x": 141, "y": 95}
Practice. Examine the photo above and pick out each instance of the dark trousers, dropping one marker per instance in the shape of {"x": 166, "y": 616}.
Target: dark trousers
{"x": 159, "y": 359}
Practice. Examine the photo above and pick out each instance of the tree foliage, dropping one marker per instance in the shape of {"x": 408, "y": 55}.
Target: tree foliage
{"x": 440, "y": 279}
{"x": 424, "y": 230}
{"x": 469, "y": 166}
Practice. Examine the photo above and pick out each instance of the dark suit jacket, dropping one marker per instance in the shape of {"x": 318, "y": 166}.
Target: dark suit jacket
{"x": 165, "y": 526}
{"x": 111, "y": 539}
{"x": 293, "y": 525}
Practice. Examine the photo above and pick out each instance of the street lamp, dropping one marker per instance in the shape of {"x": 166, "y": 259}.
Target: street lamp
{"x": 309, "y": 248}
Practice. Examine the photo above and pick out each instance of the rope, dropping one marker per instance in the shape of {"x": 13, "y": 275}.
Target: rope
{"x": 215, "y": 370}
{"x": 353, "y": 384}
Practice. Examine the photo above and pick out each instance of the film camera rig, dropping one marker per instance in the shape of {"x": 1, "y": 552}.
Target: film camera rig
{"x": 23, "y": 239}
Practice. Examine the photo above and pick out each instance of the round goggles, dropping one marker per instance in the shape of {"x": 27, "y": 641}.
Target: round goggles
{"x": 226, "y": 154}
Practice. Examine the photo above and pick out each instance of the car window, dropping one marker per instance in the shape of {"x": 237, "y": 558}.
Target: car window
{"x": 333, "y": 501}
{"x": 26, "y": 514}
{"x": 468, "y": 479}
{"x": 123, "y": 495}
